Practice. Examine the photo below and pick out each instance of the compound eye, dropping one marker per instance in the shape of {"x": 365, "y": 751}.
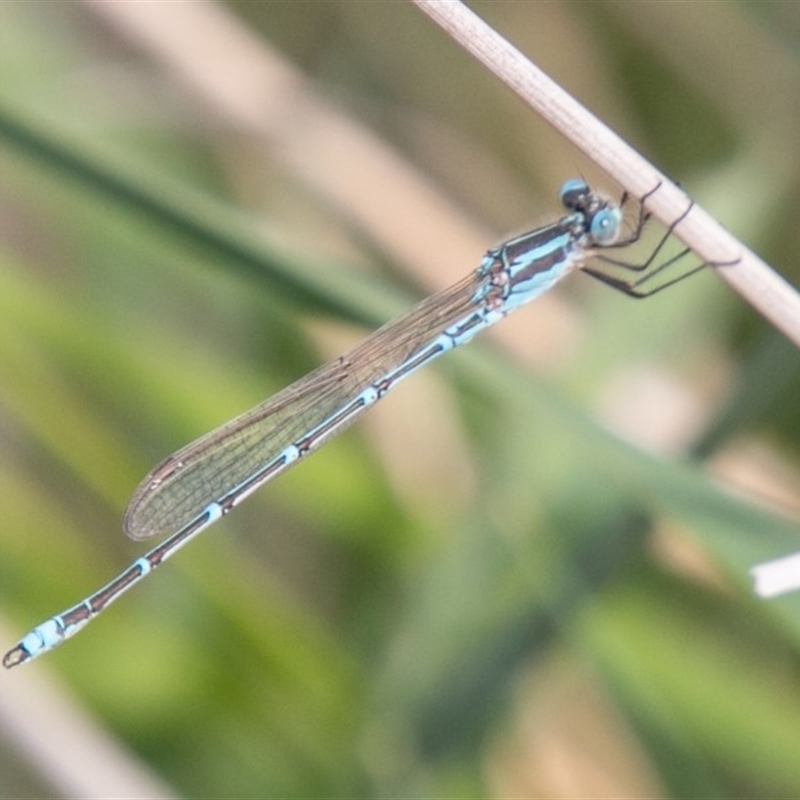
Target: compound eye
{"x": 572, "y": 193}
{"x": 605, "y": 225}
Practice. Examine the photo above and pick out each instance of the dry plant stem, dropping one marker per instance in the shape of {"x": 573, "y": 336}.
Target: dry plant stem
{"x": 764, "y": 289}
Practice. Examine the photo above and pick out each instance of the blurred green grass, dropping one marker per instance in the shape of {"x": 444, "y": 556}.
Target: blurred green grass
{"x": 346, "y": 634}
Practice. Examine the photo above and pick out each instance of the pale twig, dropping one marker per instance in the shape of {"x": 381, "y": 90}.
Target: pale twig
{"x": 763, "y": 288}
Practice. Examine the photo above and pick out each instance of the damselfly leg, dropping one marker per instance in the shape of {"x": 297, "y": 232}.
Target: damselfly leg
{"x": 651, "y": 267}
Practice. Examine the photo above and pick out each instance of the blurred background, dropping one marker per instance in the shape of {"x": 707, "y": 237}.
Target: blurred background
{"x": 523, "y": 574}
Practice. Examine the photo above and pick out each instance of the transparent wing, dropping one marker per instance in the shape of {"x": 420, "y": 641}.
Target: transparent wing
{"x": 182, "y": 486}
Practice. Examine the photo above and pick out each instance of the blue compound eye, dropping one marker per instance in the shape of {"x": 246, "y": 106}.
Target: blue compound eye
{"x": 605, "y": 225}
{"x": 572, "y": 193}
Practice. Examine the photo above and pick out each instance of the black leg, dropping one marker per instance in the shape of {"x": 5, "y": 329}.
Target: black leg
{"x": 635, "y": 286}
{"x": 644, "y": 216}
{"x": 645, "y": 265}
{"x": 632, "y": 288}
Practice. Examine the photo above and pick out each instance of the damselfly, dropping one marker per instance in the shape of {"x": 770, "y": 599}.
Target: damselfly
{"x": 202, "y": 482}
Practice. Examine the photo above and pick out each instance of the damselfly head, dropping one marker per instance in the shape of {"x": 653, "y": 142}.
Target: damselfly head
{"x": 598, "y": 217}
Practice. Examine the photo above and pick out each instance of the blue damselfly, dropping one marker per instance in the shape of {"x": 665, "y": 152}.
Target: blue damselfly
{"x": 202, "y": 482}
